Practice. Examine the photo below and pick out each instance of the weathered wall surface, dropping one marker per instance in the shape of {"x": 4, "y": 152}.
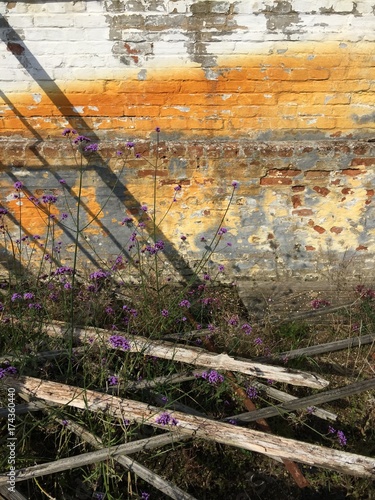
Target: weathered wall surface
{"x": 278, "y": 95}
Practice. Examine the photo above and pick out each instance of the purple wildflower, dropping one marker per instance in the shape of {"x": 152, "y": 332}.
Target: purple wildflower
{"x": 81, "y": 138}
{"x": 144, "y": 208}
{"x": 341, "y": 438}
{"x": 64, "y": 422}
{"x": 213, "y": 377}
{"x": 157, "y": 129}
{"x": 18, "y": 185}
{"x": 145, "y": 495}
{"x": 91, "y": 148}
{"x": 28, "y": 296}
{"x": 9, "y": 370}
{"x": 64, "y": 216}
{"x": 99, "y": 274}
{"x": 112, "y": 380}
{"x": 16, "y": 296}
{"x": 235, "y": 184}
{"x": 221, "y": 268}
{"x": 331, "y": 430}
{"x": 119, "y": 342}
{"x": 246, "y": 328}
{"x": 185, "y": 303}
{"x": 178, "y": 187}
{"x": 319, "y": 303}
{"x": 49, "y": 198}
{"x": 233, "y": 320}
{"x": 66, "y": 132}
{"x": 166, "y": 419}
{"x": 206, "y": 277}
{"x": 165, "y": 313}
{"x": 232, "y": 421}
{"x": 258, "y": 341}
{"x": 222, "y": 231}
{"x": 251, "y": 392}
{"x": 62, "y": 181}
{"x": 130, "y": 144}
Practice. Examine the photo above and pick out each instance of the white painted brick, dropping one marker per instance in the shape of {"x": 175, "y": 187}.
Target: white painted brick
{"x": 54, "y": 34}
{"x": 20, "y": 22}
{"x": 53, "y": 21}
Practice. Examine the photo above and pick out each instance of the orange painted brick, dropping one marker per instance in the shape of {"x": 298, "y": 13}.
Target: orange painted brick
{"x": 321, "y": 190}
{"x": 319, "y": 229}
{"x": 275, "y": 181}
{"x": 303, "y": 212}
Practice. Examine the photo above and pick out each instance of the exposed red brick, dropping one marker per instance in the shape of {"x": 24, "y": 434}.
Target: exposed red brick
{"x": 298, "y": 189}
{"x": 303, "y": 212}
{"x": 310, "y": 248}
{"x": 352, "y": 172}
{"x": 283, "y": 172}
{"x": 319, "y": 229}
{"x": 321, "y": 190}
{"x": 316, "y": 174}
{"x": 347, "y": 191}
{"x": 335, "y": 182}
{"x": 274, "y": 181}
{"x": 363, "y": 161}
{"x": 296, "y": 200}
{"x": 270, "y": 236}
{"x": 151, "y": 172}
{"x": 15, "y": 48}
{"x": 361, "y": 247}
{"x": 336, "y": 229}
{"x": 370, "y": 192}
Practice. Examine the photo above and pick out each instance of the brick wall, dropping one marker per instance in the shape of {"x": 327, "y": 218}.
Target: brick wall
{"x": 276, "y": 94}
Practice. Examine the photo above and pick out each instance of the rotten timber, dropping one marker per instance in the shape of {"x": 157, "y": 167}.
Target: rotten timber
{"x": 260, "y": 442}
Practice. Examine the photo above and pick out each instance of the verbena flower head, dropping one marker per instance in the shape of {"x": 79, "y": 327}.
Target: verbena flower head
{"x": 246, "y": 328}
{"x": 341, "y": 438}
{"x": 165, "y": 313}
{"x": 9, "y": 370}
{"x": 49, "y": 199}
{"x": 130, "y": 144}
{"x": 166, "y": 419}
{"x": 100, "y": 275}
{"x": 145, "y": 495}
{"x": 222, "y": 231}
{"x": 252, "y": 392}
{"x": 157, "y": 129}
{"x": 144, "y": 208}
{"x": 319, "y": 303}
{"x": 92, "y": 148}
{"x": 119, "y": 342}
{"x": 18, "y": 185}
{"x": 80, "y": 139}
{"x": 62, "y": 181}
{"x": 185, "y": 303}
{"x": 16, "y": 296}
{"x": 213, "y": 377}
{"x": 112, "y": 380}
{"x": 235, "y": 184}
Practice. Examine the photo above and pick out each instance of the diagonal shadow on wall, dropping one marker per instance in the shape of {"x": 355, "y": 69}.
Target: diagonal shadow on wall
{"x": 29, "y": 62}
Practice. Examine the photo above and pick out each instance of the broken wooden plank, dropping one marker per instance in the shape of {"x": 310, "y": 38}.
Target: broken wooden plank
{"x": 337, "y": 345}
{"x": 93, "y": 457}
{"x": 182, "y": 424}
{"x": 192, "y": 355}
{"x": 284, "y": 397}
{"x": 307, "y": 402}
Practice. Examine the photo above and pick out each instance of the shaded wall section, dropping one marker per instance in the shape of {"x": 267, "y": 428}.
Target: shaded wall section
{"x": 278, "y": 95}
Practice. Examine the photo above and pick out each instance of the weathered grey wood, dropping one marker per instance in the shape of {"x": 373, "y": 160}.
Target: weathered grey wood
{"x": 140, "y": 470}
{"x": 337, "y": 345}
{"x": 307, "y": 402}
{"x": 194, "y": 355}
{"x": 284, "y": 397}
{"x": 93, "y": 457}
{"x": 10, "y": 495}
{"x": 190, "y": 425}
